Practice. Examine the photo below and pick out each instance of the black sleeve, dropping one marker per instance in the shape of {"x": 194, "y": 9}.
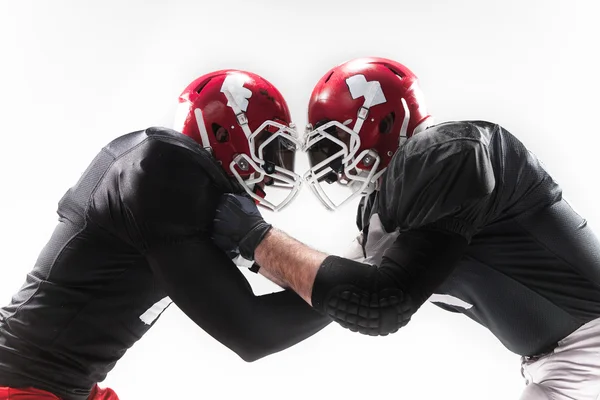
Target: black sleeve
{"x": 380, "y": 300}
{"x": 436, "y": 191}
{"x": 436, "y": 181}
{"x": 212, "y": 291}
{"x": 168, "y": 203}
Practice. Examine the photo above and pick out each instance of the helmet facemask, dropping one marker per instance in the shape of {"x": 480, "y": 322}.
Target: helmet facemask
{"x": 332, "y": 151}
{"x": 272, "y": 157}
{"x": 358, "y": 172}
{"x": 272, "y": 148}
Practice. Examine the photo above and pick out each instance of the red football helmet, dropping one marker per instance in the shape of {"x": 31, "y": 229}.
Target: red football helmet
{"x": 359, "y": 113}
{"x": 246, "y": 124}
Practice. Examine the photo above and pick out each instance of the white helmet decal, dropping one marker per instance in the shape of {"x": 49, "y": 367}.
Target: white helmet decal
{"x": 234, "y": 85}
{"x": 371, "y": 91}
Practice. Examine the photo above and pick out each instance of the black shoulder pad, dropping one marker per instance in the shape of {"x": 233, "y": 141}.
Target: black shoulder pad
{"x": 208, "y": 162}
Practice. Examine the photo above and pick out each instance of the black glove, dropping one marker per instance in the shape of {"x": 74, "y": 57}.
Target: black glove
{"x": 238, "y": 226}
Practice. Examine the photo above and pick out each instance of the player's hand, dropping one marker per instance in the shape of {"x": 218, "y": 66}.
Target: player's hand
{"x": 238, "y": 226}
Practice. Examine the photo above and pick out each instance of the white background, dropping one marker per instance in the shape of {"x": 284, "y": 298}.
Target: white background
{"x": 76, "y": 74}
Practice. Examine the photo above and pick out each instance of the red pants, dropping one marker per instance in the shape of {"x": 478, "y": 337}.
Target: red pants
{"x": 35, "y": 394}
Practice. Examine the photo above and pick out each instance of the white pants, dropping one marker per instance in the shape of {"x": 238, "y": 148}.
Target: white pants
{"x": 571, "y": 372}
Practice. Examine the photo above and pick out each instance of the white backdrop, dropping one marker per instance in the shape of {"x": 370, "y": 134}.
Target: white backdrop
{"x": 76, "y": 74}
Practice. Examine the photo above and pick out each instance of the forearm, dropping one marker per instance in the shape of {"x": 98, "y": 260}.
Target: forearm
{"x": 215, "y": 295}
{"x": 361, "y": 297}
{"x": 380, "y": 300}
{"x": 267, "y": 274}
{"x": 290, "y": 262}
{"x": 263, "y": 325}
{"x": 280, "y": 320}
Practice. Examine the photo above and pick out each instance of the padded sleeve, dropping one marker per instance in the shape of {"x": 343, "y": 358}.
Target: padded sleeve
{"x": 380, "y": 300}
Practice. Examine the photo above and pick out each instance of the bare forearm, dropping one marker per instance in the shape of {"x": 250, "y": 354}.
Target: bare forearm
{"x": 273, "y": 278}
{"x": 289, "y": 262}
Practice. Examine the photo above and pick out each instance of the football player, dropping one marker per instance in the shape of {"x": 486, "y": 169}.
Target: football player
{"x": 460, "y": 213}
{"x": 133, "y": 233}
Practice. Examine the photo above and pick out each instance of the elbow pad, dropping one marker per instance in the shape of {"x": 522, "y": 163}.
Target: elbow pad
{"x": 378, "y": 301}
{"x": 354, "y": 295}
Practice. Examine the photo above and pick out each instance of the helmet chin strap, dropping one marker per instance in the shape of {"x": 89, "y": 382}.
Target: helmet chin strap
{"x": 364, "y": 109}
{"x": 375, "y": 181}
{"x": 257, "y": 190}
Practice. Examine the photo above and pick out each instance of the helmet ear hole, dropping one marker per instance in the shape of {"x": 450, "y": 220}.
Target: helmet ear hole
{"x": 386, "y": 124}
{"x": 221, "y": 134}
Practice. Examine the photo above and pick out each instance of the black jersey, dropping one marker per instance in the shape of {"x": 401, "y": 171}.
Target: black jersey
{"x": 531, "y": 272}
{"x": 133, "y": 234}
